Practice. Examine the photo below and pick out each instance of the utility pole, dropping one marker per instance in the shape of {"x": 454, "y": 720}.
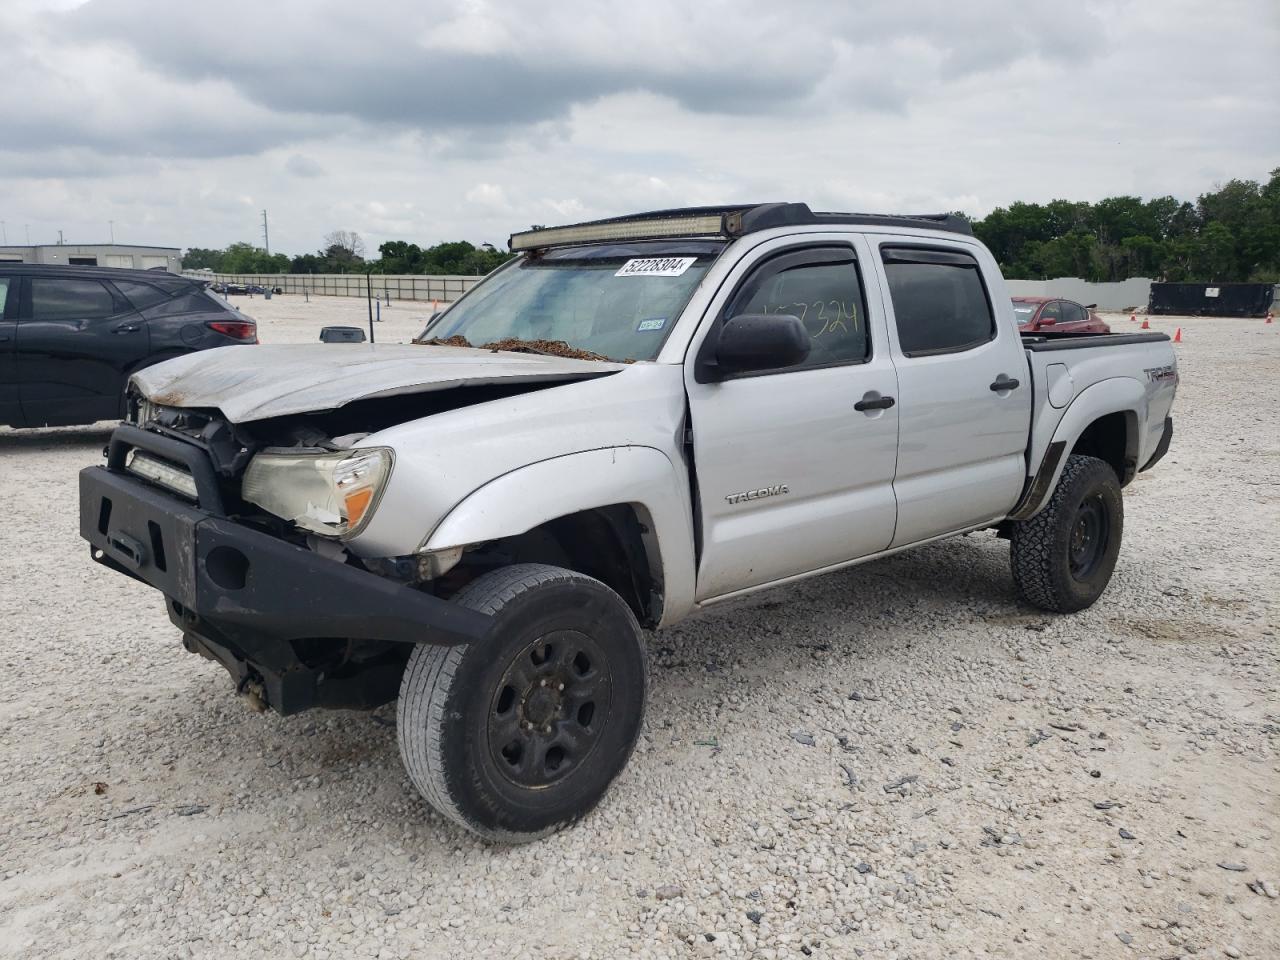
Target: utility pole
{"x": 59, "y": 238}
{"x": 111, "y": 225}
{"x": 266, "y": 239}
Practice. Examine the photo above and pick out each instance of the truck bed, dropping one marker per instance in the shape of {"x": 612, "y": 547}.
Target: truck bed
{"x": 1042, "y": 342}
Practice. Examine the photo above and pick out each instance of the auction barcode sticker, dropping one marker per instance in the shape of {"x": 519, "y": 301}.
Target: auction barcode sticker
{"x": 656, "y": 267}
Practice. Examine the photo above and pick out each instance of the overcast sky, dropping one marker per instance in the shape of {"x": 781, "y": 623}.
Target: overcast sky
{"x": 432, "y": 121}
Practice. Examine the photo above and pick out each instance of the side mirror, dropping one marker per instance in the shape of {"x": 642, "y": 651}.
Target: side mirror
{"x": 1046, "y": 321}
{"x": 760, "y": 342}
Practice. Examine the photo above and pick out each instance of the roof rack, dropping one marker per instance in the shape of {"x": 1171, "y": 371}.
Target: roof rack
{"x": 727, "y": 222}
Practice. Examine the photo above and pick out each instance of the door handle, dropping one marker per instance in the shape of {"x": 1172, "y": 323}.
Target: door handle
{"x": 127, "y": 328}
{"x": 1004, "y": 383}
{"x": 868, "y": 402}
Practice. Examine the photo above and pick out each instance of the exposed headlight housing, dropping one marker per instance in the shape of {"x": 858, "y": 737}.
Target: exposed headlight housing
{"x": 330, "y": 494}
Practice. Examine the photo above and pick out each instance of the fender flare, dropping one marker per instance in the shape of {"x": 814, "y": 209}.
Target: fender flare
{"x": 643, "y": 477}
{"x": 1112, "y": 395}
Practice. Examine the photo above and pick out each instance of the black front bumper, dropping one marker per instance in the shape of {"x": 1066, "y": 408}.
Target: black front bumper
{"x": 311, "y": 631}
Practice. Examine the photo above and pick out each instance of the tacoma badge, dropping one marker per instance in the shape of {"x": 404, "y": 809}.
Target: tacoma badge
{"x": 775, "y": 491}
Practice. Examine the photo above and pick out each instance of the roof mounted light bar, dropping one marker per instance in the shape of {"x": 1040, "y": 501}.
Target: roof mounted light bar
{"x": 649, "y": 226}
{"x": 725, "y": 222}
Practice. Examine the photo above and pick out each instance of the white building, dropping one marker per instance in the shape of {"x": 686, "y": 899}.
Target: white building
{"x": 124, "y": 255}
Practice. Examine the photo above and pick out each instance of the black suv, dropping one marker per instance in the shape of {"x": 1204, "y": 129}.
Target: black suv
{"x": 71, "y": 336}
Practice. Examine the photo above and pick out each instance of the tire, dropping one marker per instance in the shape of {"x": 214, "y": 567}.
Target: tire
{"x": 1063, "y": 557}
{"x": 520, "y": 735}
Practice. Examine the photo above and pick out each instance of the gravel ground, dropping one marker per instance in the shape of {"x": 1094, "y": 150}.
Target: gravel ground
{"x": 898, "y": 760}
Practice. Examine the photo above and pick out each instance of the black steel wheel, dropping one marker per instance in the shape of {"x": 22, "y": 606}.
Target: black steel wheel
{"x": 521, "y": 734}
{"x": 549, "y": 710}
{"x": 1064, "y": 556}
{"x": 1090, "y": 535}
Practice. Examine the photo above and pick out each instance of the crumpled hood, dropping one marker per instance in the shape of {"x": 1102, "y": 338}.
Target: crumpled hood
{"x": 257, "y": 382}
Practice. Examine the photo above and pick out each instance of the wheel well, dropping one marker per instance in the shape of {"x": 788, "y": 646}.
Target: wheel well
{"x": 614, "y": 544}
{"x": 1113, "y": 440}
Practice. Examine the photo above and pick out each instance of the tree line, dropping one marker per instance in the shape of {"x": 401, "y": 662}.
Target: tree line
{"x": 1229, "y": 234}
{"x": 343, "y": 251}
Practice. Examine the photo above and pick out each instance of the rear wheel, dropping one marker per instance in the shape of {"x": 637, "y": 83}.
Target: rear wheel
{"x": 521, "y": 734}
{"x": 1063, "y": 557}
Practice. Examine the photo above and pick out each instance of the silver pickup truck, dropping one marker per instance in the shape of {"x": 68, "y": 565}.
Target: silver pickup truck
{"x": 632, "y": 421}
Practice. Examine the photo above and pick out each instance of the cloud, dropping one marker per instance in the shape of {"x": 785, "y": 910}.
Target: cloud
{"x": 437, "y": 120}
{"x": 303, "y": 166}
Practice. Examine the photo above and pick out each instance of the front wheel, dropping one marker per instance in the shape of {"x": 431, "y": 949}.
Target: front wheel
{"x": 1063, "y": 557}
{"x": 520, "y": 734}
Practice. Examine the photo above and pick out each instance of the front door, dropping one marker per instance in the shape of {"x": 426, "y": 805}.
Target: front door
{"x": 791, "y": 476}
{"x": 77, "y": 341}
{"x": 10, "y": 411}
{"x": 964, "y": 400}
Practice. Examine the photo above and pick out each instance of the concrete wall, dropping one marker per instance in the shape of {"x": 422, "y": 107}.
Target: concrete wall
{"x": 126, "y": 256}
{"x": 1123, "y": 295}
{"x": 384, "y": 286}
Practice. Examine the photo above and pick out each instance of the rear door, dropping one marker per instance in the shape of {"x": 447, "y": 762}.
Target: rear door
{"x": 964, "y": 406}
{"x": 795, "y": 466}
{"x": 1075, "y": 318}
{"x": 10, "y": 410}
{"x": 77, "y": 341}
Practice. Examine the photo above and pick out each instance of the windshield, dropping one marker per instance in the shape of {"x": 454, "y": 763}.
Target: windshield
{"x": 617, "y": 301}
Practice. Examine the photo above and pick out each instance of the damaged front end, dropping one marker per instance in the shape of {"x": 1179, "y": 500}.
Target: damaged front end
{"x": 296, "y": 624}
{"x": 235, "y": 486}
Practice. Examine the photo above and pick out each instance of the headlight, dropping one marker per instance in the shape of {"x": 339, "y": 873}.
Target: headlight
{"x": 332, "y": 494}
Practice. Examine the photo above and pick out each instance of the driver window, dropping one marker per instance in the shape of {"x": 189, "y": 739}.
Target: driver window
{"x": 1072, "y": 312}
{"x": 1052, "y": 311}
{"x": 825, "y": 293}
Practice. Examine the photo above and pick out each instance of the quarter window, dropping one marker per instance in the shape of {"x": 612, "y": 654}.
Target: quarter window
{"x": 69, "y": 299}
{"x": 823, "y": 289}
{"x": 141, "y": 295}
{"x": 939, "y": 301}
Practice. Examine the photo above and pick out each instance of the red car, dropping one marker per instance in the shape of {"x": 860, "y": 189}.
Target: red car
{"x": 1049, "y": 314}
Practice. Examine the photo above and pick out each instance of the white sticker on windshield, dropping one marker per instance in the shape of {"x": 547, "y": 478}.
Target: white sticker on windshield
{"x": 657, "y": 323}
{"x": 656, "y": 267}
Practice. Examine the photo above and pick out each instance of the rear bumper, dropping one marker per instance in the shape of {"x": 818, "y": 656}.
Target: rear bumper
{"x": 313, "y": 631}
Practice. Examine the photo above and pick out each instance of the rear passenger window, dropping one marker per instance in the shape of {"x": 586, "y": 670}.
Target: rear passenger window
{"x": 70, "y": 299}
{"x": 823, "y": 289}
{"x": 141, "y": 295}
{"x": 939, "y": 301}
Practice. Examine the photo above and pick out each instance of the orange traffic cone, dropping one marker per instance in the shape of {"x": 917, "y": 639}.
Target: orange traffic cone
{"x": 1133, "y": 318}
{"x": 1177, "y": 335}
{"x": 1145, "y": 325}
